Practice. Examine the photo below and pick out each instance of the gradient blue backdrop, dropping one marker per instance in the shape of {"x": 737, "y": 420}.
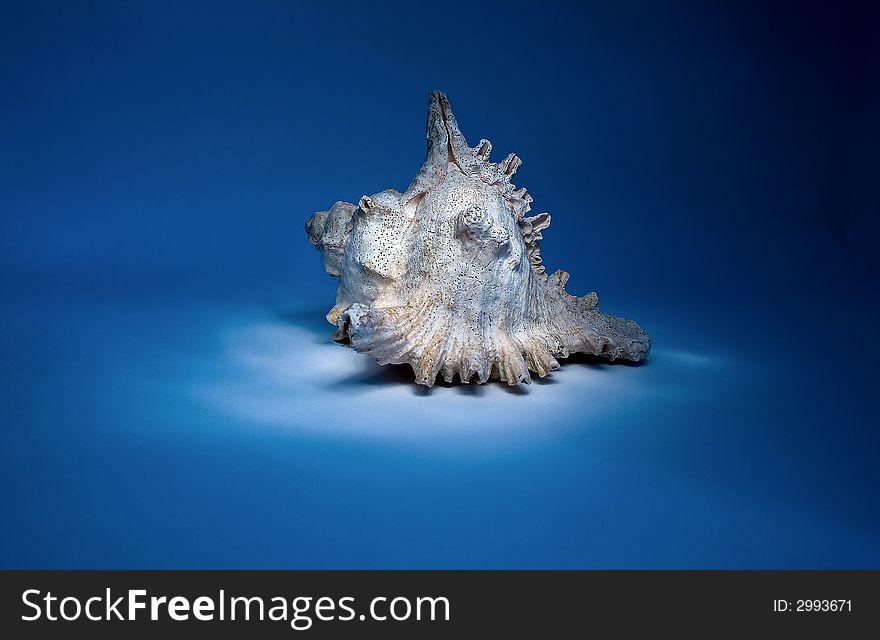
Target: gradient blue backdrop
{"x": 169, "y": 394}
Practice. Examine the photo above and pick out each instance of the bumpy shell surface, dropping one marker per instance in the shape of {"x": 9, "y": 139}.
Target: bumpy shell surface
{"x": 448, "y": 277}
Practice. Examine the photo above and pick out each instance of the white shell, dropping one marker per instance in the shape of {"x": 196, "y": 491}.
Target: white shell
{"x": 447, "y": 277}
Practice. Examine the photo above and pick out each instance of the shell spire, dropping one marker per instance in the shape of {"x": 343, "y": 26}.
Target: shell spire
{"x": 446, "y": 144}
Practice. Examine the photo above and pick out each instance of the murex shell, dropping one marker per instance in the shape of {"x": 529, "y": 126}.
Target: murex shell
{"x": 447, "y": 277}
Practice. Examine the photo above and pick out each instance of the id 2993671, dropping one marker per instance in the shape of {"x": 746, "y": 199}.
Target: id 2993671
{"x": 812, "y": 606}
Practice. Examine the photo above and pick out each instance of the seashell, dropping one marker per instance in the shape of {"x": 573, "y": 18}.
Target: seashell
{"x": 448, "y": 278}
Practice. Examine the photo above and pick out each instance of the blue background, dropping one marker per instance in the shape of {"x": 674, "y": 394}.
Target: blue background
{"x": 170, "y": 397}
